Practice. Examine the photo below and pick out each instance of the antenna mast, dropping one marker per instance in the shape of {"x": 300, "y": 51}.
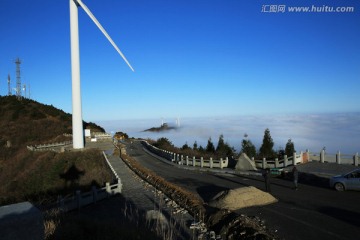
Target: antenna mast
{"x": 18, "y": 79}
{"x": 24, "y": 88}
{"x": 9, "y": 87}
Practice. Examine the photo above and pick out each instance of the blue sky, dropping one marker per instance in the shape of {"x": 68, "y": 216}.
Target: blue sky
{"x": 192, "y": 58}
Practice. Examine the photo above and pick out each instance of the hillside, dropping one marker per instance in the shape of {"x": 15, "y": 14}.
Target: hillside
{"x": 36, "y": 176}
{"x": 27, "y": 122}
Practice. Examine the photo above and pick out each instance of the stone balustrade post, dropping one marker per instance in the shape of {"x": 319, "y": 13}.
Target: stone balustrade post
{"x": 294, "y": 158}
{"x": 285, "y": 160}
{"x": 264, "y": 163}
{"x": 119, "y": 186}
{"x": 108, "y": 188}
{"x": 182, "y": 160}
{"x": 276, "y": 162}
{"x": 194, "y": 162}
{"x": 308, "y": 155}
{"x": 201, "y": 162}
{"x": 187, "y": 161}
{"x": 211, "y": 163}
{"x": 322, "y": 156}
{"x": 221, "y": 163}
{"x": 338, "y": 158}
{"x": 356, "y": 159}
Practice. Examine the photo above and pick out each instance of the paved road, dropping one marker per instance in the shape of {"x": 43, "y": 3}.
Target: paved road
{"x": 312, "y": 212}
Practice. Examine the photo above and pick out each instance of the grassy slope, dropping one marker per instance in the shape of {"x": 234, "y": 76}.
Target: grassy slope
{"x": 41, "y": 176}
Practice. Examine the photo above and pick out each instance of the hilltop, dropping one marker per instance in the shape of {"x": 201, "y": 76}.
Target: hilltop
{"x": 36, "y": 176}
{"x": 27, "y": 122}
{"x": 163, "y": 127}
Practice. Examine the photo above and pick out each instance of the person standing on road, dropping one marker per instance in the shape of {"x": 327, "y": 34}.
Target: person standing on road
{"x": 295, "y": 177}
{"x": 266, "y": 176}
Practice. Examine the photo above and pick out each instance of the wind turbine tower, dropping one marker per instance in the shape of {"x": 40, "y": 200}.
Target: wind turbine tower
{"x": 18, "y": 79}
{"x": 9, "y": 87}
{"x": 77, "y": 122}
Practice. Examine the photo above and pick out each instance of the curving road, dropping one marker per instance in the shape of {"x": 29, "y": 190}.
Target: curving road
{"x": 309, "y": 213}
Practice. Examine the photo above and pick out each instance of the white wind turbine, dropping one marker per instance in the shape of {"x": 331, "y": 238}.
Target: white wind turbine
{"x": 77, "y": 124}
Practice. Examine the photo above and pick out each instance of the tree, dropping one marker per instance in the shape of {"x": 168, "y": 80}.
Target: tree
{"x": 163, "y": 143}
{"x": 210, "y": 146}
{"x": 289, "y": 148}
{"x": 266, "y": 149}
{"x": 120, "y": 135}
{"x": 223, "y": 149}
{"x": 185, "y": 146}
{"x": 248, "y": 148}
{"x": 195, "y": 146}
{"x": 201, "y": 149}
{"x": 221, "y": 143}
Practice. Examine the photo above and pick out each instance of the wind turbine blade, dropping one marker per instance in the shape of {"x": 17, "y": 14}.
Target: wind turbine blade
{"x": 103, "y": 31}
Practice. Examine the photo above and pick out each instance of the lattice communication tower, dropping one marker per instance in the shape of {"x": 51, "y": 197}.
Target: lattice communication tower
{"x": 9, "y": 86}
{"x": 18, "y": 79}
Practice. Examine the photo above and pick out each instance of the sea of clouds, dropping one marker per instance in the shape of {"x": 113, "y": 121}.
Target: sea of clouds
{"x": 335, "y": 131}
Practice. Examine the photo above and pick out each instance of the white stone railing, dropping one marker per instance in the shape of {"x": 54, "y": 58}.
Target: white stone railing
{"x": 339, "y": 158}
{"x": 80, "y": 199}
{"x": 83, "y": 199}
{"x": 111, "y": 167}
{"x": 281, "y": 163}
{"x": 42, "y": 147}
{"x": 185, "y": 160}
{"x": 307, "y": 156}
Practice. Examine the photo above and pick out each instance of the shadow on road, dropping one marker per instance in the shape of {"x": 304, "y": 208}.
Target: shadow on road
{"x": 273, "y": 181}
{"x": 342, "y": 214}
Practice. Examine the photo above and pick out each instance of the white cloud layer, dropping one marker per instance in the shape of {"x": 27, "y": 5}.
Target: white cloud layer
{"x": 340, "y": 131}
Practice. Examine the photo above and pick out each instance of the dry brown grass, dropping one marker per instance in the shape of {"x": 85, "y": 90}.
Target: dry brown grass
{"x": 35, "y": 176}
{"x": 52, "y": 219}
{"x": 41, "y": 177}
